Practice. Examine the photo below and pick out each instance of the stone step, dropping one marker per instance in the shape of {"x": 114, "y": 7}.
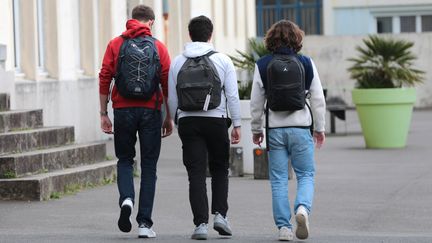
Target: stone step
{"x": 42, "y": 161}
{"x": 40, "y": 138}
{"x": 43, "y": 186}
{"x": 4, "y": 102}
{"x": 20, "y": 120}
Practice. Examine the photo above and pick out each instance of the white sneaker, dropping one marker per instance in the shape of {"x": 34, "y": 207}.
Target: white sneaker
{"x": 221, "y": 225}
{"x": 124, "y": 222}
{"x": 302, "y": 219}
{"x": 145, "y": 232}
{"x": 200, "y": 232}
{"x": 285, "y": 234}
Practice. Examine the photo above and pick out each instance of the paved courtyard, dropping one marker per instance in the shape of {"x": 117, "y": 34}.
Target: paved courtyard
{"x": 362, "y": 195}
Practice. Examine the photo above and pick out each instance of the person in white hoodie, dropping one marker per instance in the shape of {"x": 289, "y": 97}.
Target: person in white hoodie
{"x": 289, "y": 132}
{"x": 204, "y": 132}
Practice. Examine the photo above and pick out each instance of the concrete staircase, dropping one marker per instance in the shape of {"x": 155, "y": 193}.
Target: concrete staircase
{"x": 38, "y": 163}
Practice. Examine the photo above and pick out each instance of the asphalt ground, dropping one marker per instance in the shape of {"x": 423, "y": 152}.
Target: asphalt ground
{"x": 362, "y": 195}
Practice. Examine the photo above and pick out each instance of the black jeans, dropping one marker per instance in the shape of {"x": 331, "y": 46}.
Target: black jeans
{"x": 147, "y": 123}
{"x": 202, "y": 138}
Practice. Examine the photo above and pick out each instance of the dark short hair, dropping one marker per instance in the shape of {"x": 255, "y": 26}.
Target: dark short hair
{"x": 143, "y": 13}
{"x": 200, "y": 28}
{"x": 284, "y": 34}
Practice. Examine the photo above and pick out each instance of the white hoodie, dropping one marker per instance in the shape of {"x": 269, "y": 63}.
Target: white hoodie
{"x": 228, "y": 77}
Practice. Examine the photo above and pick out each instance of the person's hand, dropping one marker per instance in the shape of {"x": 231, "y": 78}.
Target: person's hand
{"x": 106, "y": 124}
{"x": 319, "y": 138}
{"x": 167, "y": 127}
{"x": 235, "y": 135}
{"x": 258, "y": 138}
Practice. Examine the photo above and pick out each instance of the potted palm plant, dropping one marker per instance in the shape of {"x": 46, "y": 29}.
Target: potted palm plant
{"x": 384, "y": 95}
{"x": 245, "y": 61}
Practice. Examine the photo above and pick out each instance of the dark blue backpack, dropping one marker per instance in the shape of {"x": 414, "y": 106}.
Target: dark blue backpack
{"x": 138, "y": 68}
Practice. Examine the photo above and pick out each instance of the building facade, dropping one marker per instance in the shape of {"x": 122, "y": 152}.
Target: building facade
{"x": 55, "y": 48}
{"x": 361, "y": 17}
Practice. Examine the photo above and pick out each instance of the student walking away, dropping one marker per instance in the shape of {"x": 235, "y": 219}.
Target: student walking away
{"x": 139, "y": 64}
{"x": 287, "y": 89}
{"x": 202, "y": 84}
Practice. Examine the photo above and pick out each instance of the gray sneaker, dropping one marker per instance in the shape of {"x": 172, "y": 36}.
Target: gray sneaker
{"x": 145, "y": 232}
{"x": 200, "y": 232}
{"x": 221, "y": 225}
{"x": 302, "y": 218}
{"x": 285, "y": 234}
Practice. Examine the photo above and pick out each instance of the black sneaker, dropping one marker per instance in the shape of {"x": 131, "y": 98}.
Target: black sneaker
{"x": 124, "y": 222}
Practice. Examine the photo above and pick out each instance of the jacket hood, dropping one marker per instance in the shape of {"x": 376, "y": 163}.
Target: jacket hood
{"x": 196, "y": 49}
{"x": 134, "y": 28}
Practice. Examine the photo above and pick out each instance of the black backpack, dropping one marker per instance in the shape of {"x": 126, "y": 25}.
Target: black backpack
{"x": 286, "y": 87}
{"x": 285, "y": 83}
{"x": 198, "y": 84}
{"x": 138, "y": 68}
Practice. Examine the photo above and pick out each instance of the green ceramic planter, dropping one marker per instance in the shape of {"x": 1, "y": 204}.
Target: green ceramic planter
{"x": 385, "y": 115}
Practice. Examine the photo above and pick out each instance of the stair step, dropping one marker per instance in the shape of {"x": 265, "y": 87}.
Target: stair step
{"x": 4, "y": 102}
{"x": 42, "y": 186}
{"x": 20, "y": 120}
{"x": 41, "y": 161}
{"x": 40, "y": 138}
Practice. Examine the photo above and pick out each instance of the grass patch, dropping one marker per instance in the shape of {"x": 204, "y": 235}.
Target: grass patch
{"x": 109, "y": 157}
{"x": 41, "y": 171}
{"x": 9, "y": 175}
{"x": 20, "y": 129}
{"x": 55, "y": 195}
{"x": 74, "y": 188}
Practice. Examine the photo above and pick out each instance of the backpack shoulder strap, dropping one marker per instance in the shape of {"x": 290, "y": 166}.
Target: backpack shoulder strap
{"x": 210, "y": 53}
{"x": 307, "y": 64}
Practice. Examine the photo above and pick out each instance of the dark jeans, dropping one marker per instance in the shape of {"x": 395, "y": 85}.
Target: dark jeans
{"x": 202, "y": 138}
{"x": 147, "y": 123}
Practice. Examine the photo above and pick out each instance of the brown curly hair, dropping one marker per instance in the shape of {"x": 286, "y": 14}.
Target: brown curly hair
{"x": 284, "y": 33}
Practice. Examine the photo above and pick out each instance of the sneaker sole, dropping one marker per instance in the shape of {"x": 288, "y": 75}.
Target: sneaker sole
{"x": 146, "y": 236}
{"x": 199, "y": 237}
{"x": 124, "y": 222}
{"x": 302, "y": 230}
{"x": 222, "y": 229}
{"x": 285, "y": 239}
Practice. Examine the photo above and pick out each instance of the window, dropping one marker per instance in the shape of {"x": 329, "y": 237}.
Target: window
{"x": 41, "y": 37}
{"x": 77, "y": 45}
{"x": 307, "y": 14}
{"x": 384, "y": 25}
{"x": 404, "y": 24}
{"x": 407, "y": 24}
{"x": 17, "y": 36}
{"x": 426, "y": 23}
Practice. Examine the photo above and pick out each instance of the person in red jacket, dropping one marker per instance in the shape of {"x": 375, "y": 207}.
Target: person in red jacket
{"x": 132, "y": 116}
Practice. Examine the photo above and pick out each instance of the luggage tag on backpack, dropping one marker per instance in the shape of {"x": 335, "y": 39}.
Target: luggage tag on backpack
{"x": 207, "y": 102}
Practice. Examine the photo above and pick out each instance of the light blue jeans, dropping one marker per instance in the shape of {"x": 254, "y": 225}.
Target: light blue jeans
{"x": 297, "y": 145}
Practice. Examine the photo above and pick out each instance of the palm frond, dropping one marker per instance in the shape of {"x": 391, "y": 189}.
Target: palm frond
{"x": 384, "y": 63}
